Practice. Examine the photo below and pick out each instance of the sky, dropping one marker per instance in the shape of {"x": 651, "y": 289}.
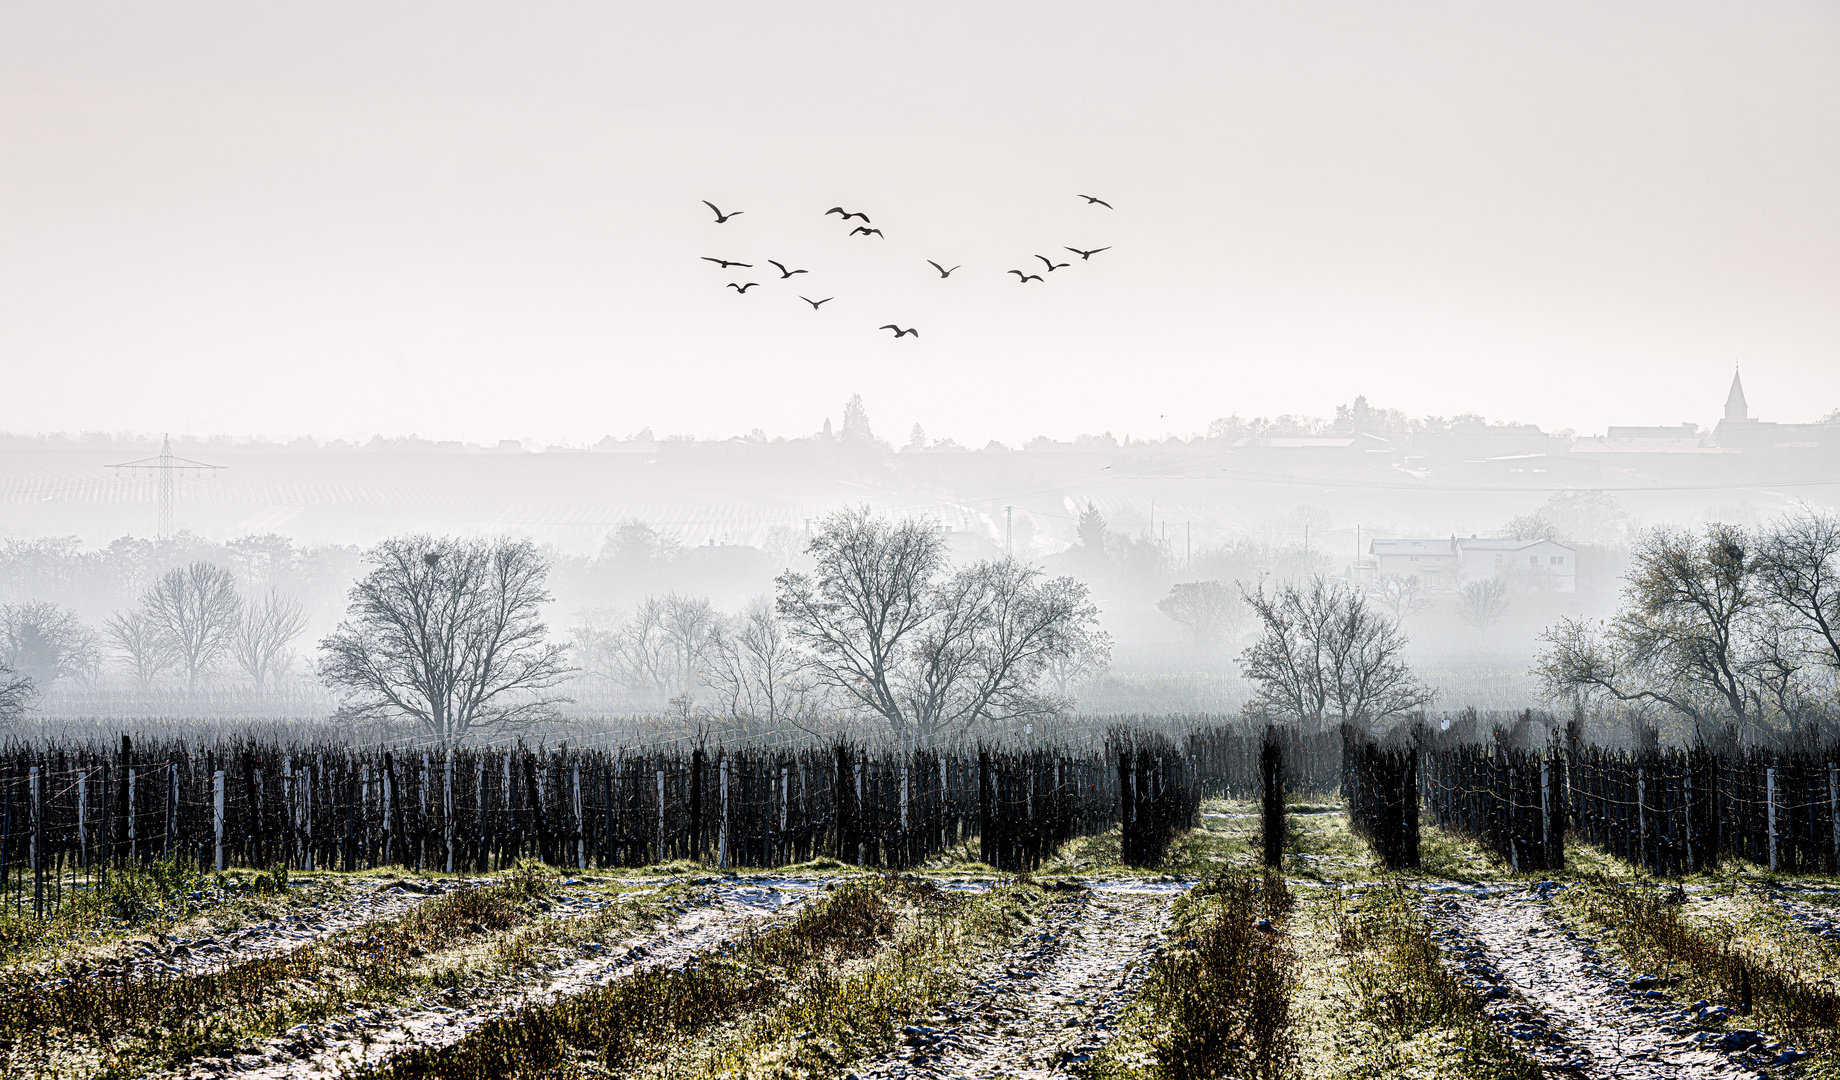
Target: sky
{"x": 484, "y": 221}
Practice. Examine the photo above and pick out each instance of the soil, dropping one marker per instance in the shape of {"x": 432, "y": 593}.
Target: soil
{"x": 1572, "y": 1009}
{"x": 719, "y": 912}
{"x": 1049, "y": 1002}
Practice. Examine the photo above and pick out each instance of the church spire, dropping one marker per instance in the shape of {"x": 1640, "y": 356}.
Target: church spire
{"x": 1735, "y": 408}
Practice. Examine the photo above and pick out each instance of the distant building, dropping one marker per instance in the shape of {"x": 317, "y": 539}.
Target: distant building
{"x": 1446, "y": 565}
{"x": 1739, "y": 431}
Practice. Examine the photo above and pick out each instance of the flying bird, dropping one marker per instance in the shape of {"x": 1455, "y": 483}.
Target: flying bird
{"x": 785, "y": 273}
{"x": 816, "y": 304}
{"x": 726, "y": 263}
{"x": 866, "y": 231}
{"x": 1023, "y": 279}
{"x": 847, "y": 215}
{"x": 898, "y": 332}
{"x": 720, "y": 216}
{"x": 742, "y": 288}
{"x": 943, "y": 272}
{"x": 1084, "y": 255}
{"x": 1090, "y": 200}
{"x": 1051, "y": 264}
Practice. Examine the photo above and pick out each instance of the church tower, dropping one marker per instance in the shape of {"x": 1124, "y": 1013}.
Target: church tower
{"x": 1735, "y": 408}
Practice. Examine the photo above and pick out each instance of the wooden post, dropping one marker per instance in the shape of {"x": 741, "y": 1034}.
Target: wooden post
{"x": 172, "y": 810}
{"x": 661, "y": 854}
{"x": 481, "y": 788}
{"x": 722, "y": 828}
{"x": 83, "y": 818}
{"x": 859, "y": 802}
{"x": 785, "y": 806}
{"x": 1833, "y": 807}
{"x": 447, "y": 807}
{"x": 217, "y": 819}
{"x": 1769, "y": 782}
{"x": 581, "y": 844}
{"x": 36, "y": 793}
{"x": 389, "y": 805}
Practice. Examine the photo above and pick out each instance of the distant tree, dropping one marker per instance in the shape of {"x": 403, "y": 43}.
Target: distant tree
{"x": 916, "y": 438}
{"x": 1798, "y": 566}
{"x": 1209, "y": 611}
{"x": 1091, "y": 529}
{"x": 1087, "y": 656}
{"x": 1574, "y": 517}
{"x": 44, "y": 642}
{"x": 1402, "y": 596}
{"x": 16, "y": 694}
{"x": 1684, "y": 636}
{"x": 636, "y": 541}
{"x": 263, "y": 644}
{"x": 754, "y": 670}
{"x": 883, "y": 624}
{"x": 687, "y": 623}
{"x": 1325, "y": 657}
{"x": 448, "y": 634}
{"x": 856, "y": 421}
{"x": 1483, "y": 603}
{"x": 136, "y": 639}
{"x": 197, "y": 611}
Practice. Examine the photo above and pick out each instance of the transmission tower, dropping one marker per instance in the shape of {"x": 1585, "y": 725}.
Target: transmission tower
{"x": 166, "y": 466}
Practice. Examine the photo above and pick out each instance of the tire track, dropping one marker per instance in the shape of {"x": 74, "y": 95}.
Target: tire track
{"x": 1569, "y": 1008}
{"x": 369, "y": 1036}
{"x": 1046, "y": 1004}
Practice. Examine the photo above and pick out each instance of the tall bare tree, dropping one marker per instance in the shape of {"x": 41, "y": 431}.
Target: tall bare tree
{"x": 447, "y": 634}
{"x": 1483, "y": 603}
{"x": 263, "y": 643}
{"x": 1798, "y": 565}
{"x": 196, "y": 610}
{"x": 136, "y": 639}
{"x": 755, "y": 672}
{"x": 1324, "y": 656}
{"x": 1684, "y": 636}
{"x": 687, "y": 623}
{"x": 884, "y": 625}
{"x": 1401, "y": 595}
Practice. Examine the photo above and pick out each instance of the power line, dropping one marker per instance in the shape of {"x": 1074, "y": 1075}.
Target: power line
{"x": 166, "y": 466}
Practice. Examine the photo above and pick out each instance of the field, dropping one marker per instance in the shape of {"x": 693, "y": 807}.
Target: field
{"x": 1204, "y": 965}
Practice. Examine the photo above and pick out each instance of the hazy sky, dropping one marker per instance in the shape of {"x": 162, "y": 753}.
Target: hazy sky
{"x": 482, "y": 221}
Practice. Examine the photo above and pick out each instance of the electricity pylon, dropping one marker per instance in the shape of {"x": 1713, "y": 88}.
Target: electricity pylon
{"x": 166, "y": 466}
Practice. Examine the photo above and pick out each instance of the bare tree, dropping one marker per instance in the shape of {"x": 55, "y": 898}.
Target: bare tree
{"x": 1208, "y": 610}
{"x": 1401, "y": 595}
{"x": 1325, "y": 657}
{"x": 1685, "y": 636}
{"x": 44, "y": 642}
{"x": 136, "y": 639}
{"x": 1087, "y": 656}
{"x": 687, "y": 622}
{"x": 1798, "y": 566}
{"x": 752, "y": 666}
{"x": 16, "y": 694}
{"x": 262, "y": 645}
{"x": 858, "y": 611}
{"x": 196, "y": 610}
{"x": 447, "y": 633}
{"x": 881, "y": 623}
{"x": 1483, "y": 603}
{"x": 635, "y": 653}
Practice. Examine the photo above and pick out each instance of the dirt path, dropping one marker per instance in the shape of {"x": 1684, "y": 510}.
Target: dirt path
{"x": 367, "y": 1036}
{"x": 1568, "y": 1005}
{"x": 1048, "y": 1003}
{"x": 187, "y": 955}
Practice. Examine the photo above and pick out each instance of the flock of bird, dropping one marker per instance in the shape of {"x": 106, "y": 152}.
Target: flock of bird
{"x": 867, "y": 229}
